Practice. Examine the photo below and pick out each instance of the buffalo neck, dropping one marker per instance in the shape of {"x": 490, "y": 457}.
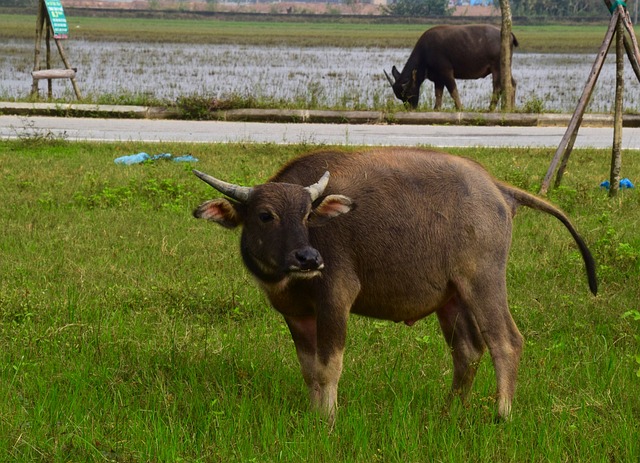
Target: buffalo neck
{"x": 414, "y": 63}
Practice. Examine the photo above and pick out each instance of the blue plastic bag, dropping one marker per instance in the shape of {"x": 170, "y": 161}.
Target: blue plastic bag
{"x": 185, "y": 158}
{"x": 132, "y": 159}
{"x": 157, "y": 157}
{"x": 142, "y": 157}
{"x": 624, "y": 183}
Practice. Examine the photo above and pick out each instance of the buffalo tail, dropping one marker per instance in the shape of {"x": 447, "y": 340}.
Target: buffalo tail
{"x": 517, "y": 197}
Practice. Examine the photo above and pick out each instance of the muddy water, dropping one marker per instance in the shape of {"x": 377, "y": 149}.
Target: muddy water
{"x": 316, "y": 77}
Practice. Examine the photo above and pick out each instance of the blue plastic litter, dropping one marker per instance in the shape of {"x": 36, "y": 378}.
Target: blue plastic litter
{"x": 624, "y": 183}
{"x": 185, "y": 158}
{"x": 132, "y": 159}
{"x": 142, "y": 157}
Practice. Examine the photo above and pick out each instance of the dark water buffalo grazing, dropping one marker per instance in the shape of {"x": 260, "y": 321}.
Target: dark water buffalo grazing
{"x": 395, "y": 234}
{"x": 445, "y": 53}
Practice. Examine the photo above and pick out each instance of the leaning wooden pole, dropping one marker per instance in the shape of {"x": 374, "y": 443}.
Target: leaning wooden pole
{"x": 569, "y": 138}
{"x": 633, "y": 50}
{"x": 630, "y": 43}
{"x": 48, "y": 45}
{"x": 632, "y": 58}
{"x": 616, "y": 154}
{"x": 63, "y": 55}
{"x": 39, "y": 29}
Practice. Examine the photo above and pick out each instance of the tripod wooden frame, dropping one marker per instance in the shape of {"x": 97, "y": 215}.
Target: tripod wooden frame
{"x": 620, "y": 21}
{"x": 44, "y": 28}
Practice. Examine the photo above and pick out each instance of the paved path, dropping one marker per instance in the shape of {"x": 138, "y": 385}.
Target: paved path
{"x": 153, "y": 130}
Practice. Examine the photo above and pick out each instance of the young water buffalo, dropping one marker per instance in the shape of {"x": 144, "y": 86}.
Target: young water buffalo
{"x": 445, "y": 53}
{"x": 394, "y": 234}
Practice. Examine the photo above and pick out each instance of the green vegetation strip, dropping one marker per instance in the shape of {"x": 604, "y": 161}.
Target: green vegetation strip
{"x": 130, "y": 332}
{"x": 559, "y": 38}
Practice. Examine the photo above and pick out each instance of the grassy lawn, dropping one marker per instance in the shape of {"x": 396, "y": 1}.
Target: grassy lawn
{"x": 557, "y": 38}
{"x": 130, "y": 331}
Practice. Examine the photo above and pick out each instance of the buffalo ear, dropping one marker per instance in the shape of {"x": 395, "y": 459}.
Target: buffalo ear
{"x": 331, "y": 206}
{"x": 395, "y": 73}
{"x": 221, "y": 211}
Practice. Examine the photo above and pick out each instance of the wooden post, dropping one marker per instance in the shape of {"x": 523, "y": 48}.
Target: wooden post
{"x": 616, "y": 157}
{"x": 54, "y": 74}
{"x": 39, "y": 28}
{"x": 569, "y": 138}
{"x": 508, "y": 92}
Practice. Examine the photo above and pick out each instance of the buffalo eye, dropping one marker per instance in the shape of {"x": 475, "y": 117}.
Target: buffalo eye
{"x": 265, "y": 217}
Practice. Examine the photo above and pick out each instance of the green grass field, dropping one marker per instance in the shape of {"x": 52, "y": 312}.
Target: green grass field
{"x": 555, "y": 38}
{"x": 130, "y": 332}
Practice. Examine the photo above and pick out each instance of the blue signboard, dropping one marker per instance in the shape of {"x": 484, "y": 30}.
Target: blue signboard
{"x": 57, "y": 18}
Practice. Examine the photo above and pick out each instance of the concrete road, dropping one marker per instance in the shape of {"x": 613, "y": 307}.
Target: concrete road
{"x": 290, "y": 133}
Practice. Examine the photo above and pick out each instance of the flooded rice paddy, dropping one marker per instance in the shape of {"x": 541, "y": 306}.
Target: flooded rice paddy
{"x": 303, "y": 77}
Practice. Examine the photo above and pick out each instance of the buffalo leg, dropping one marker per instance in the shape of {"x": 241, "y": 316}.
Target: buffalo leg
{"x": 465, "y": 341}
{"x": 332, "y": 334}
{"x": 304, "y": 335}
{"x": 439, "y": 89}
{"x": 497, "y": 88}
{"x": 452, "y": 88}
{"x": 487, "y": 299}
{"x": 320, "y": 348}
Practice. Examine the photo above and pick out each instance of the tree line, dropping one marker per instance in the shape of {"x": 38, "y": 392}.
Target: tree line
{"x": 421, "y": 8}
{"x": 540, "y": 8}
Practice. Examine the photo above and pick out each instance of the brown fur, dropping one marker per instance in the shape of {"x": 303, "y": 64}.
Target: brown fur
{"x": 412, "y": 232}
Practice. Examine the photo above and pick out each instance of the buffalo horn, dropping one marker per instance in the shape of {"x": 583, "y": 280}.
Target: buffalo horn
{"x": 388, "y": 77}
{"x": 239, "y": 193}
{"x": 317, "y": 188}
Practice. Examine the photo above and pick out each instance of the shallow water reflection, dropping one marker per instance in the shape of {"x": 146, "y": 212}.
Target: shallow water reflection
{"x": 314, "y": 77}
